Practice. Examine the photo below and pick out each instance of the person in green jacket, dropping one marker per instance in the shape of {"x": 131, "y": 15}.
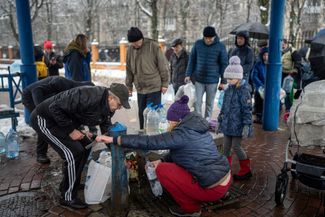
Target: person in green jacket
{"x": 146, "y": 68}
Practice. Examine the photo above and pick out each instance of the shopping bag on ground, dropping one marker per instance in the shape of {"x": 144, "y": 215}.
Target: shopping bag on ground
{"x": 98, "y": 185}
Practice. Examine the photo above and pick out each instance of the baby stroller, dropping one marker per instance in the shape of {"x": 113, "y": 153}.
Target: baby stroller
{"x": 307, "y": 131}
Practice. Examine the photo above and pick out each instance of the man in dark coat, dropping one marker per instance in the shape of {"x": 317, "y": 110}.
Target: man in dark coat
{"x": 39, "y": 91}
{"x": 178, "y": 63}
{"x": 58, "y": 118}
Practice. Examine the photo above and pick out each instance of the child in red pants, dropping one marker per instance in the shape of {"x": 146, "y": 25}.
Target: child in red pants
{"x": 193, "y": 172}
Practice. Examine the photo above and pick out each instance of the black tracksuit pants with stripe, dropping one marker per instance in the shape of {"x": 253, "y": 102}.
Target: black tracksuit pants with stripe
{"x": 72, "y": 152}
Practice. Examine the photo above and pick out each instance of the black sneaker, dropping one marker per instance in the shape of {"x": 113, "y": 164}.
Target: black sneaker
{"x": 74, "y": 204}
{"x": 176, "y": 211}
{"x": 43, "y": 159}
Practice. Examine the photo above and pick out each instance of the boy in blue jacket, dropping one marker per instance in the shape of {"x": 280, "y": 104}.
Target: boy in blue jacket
{"x": 235, "y": 118}
{"x": 259, "y": 78}
{"x": 193, "y": 172}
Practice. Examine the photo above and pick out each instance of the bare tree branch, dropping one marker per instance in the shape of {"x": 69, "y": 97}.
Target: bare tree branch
{"x": 143, "y": 9}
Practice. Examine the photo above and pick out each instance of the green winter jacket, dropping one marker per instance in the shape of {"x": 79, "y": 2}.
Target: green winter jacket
{"x": 146, "y": 68}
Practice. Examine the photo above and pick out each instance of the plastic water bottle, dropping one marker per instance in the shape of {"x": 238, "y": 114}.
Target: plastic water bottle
{"x": 2, "y": 143}
{"x": 287, "y": 84}
{"x": 145, "y": 115}
{"x": 163, "y": 123}
{"x": 152, "y": 122}
{"x": 105, "y": 158}
{"x": 12, "y": 146}
{"x": 152, "y": 177}
{"x": 220, "y": 99}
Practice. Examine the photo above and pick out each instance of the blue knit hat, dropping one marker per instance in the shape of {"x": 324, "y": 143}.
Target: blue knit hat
{"x": 178, "y": 110}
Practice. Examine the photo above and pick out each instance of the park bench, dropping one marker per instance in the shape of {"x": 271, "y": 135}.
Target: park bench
{"x": 10, "y": 83}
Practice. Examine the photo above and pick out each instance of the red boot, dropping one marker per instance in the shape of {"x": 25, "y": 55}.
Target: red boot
{"x": 230, "y": 161}
{"x": 245, "y": 170}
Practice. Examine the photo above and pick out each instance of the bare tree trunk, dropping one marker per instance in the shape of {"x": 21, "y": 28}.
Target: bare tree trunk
{"x": 249, "y": 6}
{"x": 12, "y": 22}
{"x": 184, "y": 7}
{"x": 49, "y": 19}
{"x": 88, "y": 23}
{"x": 34, "y": 6}
{"x": 165, "y": 3}
{"x": 296, "y": 11}
{"x": 154, "y": 19}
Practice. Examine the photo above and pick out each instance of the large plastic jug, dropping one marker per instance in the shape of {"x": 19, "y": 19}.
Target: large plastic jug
{"x": 287, "y": 84}
{"x": 2, "y": 143}
{"x": 163, "y": 123}
{"x": 145, "y": 114}
{"x": 152, "y": 177}
{"x": 12, "y": 146}
{"x": 152, "y": 122}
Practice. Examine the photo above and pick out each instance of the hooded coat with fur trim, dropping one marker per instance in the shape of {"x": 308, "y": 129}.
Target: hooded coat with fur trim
{"x": 76, "y": 63}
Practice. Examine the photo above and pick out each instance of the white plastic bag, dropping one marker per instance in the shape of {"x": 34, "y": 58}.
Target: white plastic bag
{"x": 169, "y": 96}
{"x": 98, "y": 185}
{"x": 189, "y": 90}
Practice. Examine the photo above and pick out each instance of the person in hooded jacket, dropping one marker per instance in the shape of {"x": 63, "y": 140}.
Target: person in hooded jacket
{"x": 235, "y": 117}
{"x": 245, "y": 53}
{"x": 194, "y": 171}
{"x": 77, "y": 59}
{"x": 207, "y": 62}
{"x": 259, "y": 78}
{"x": 39, "y": 91}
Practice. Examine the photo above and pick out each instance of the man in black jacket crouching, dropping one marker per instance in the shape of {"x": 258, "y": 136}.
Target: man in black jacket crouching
{"x": 58, "y": 118}
{"x": 39, "y": 91}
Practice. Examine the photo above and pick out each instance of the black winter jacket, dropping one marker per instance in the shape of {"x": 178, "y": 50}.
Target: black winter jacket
{"x": 246, "y": 55}
{"x": 78, "y": 106}
{"x": 178, "y": 68}
{"x": 37, "y": 92}
{"x": 191, "y": 147}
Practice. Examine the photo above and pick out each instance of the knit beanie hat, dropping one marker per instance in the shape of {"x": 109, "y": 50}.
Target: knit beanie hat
{"x": 178, "y": 110}
{"x": 134, "y": 34}
{"x": 209, "y": 31}
{"x": 48, "y": 44}
{"x": 234, "y": 70}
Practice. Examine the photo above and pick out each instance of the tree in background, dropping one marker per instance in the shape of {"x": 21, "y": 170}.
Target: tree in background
{"x": 9, "y": 9}
{"x": 296, "y": 11}
{"x": 152, "y": 13}
{"x": 264, "y": 8}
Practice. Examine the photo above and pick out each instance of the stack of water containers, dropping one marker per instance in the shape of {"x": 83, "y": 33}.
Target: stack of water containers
{"x": 155, "y": 121}
{"x": 9, "y": 144}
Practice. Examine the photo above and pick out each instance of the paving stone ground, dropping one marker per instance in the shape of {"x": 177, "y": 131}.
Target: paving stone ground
{"x": 266, "y": 150}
